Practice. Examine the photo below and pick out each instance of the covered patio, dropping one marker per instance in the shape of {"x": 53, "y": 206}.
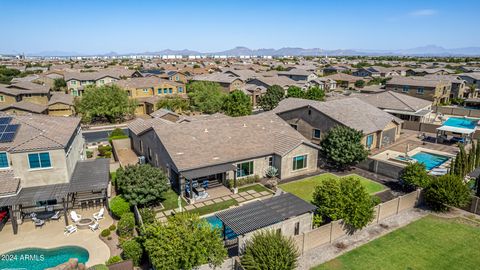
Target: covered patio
{"x": 87, "y": 188}
{"x": 461, "y": 135}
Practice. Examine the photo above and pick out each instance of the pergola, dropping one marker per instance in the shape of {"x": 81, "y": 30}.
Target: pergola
{"x": 466, "y": 133}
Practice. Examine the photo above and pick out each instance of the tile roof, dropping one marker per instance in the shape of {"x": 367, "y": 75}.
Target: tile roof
{"x": 395, "y": 101}
{"x": 144, "y": 82}
{"x": 38, "y": 132}
{"x": 415, "y": 81}
{"x": 59, "y": 97}
{"x": 203, "y": 143}
{"x": 9, "y": 184}
{"x": 25, "y": 106}
{"x": 216, "y": 77}
{"x": 350, "y": 112}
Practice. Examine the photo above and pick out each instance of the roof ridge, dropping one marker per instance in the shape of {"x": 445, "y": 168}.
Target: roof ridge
{"x": 395, "y": 96}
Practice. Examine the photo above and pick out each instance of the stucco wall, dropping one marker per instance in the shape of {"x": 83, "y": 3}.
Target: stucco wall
{"x": 287, "y": 161}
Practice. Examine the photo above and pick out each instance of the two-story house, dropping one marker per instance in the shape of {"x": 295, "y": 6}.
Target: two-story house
{"x": 77, "y": 81}
{"x": 229, "y": 82}
{"x": 42, "y": 167}
{"x": 149, "y": 90}
{"x": 435, "y": 90}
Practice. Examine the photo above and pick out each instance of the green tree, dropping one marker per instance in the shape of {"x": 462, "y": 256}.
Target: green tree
{"x": 358, "y": 204}
{"x": 184, "y": 242}
{"x": 173, "y": 103}
{"x": 447, "y": 190}
{"x": 342, "y": 147}
{"x": 328, "y": 198}
{"x": 315, "y": 93}
{"x": 132, "y": 250}
{"x": 142, "y": 184}
{"x": 59, "y": 84}
{"x": 237, "y": 103}
{"x": 108, "y": 101}
{"x": 119, "y": 206}
{"x": 126, "y": 225}
{"x": 206, "y": 97}
{"x": 295, "y": 92}
{"x": 270, "y": 250}
{"x": 414, "y": 175}
{"x": 359, "y": 83}
{"x": 272, "y": 97}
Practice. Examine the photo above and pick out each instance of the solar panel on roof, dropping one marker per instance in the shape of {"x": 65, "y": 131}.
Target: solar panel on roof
{"x": 2, "y": 128}
{"x": 5, "y": 120}
{"x": 12, "y": 128}
{"x": 7, "y": 137}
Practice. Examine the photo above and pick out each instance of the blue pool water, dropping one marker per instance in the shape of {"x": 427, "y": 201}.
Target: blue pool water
{"x": 430, "y": 160}
{"x": 461, "y": 122}
{"x": 215, "y": 222}
{"x": 39, "y": 258}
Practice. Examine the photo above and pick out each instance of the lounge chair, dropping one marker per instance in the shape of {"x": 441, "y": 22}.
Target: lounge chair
{"x": 38, "y": 222}
{"x": 94, "y": 226}
{"x": 99, "y": 215}
{"x": 56, "y": 216}
{"x": 75, "y": 217}
{"x": 70, "y": 229}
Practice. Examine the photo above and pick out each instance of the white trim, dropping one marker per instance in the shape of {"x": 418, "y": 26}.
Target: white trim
{"x": 306, "y": 163}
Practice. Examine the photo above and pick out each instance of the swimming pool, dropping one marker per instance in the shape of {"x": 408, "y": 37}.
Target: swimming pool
{"x": 39, "y": 258}
{"x": 430, "y": 160}
{"x": 215, "y": 222}
{"x": 458, "y": 122}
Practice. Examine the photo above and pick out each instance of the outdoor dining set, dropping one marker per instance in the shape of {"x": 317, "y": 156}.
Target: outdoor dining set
{"x": 199, "y": 190}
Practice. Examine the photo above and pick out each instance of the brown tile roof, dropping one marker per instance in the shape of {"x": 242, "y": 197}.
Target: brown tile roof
{"x": 415, "y": 81}
{"x": 9, "y": 184}
{"x": 395, "y": 101}
{"x": 144, "y": 82}
{"x": 40, "y": 132}
{"x": 58, "y": 97}
{"x": 25, "y": 106}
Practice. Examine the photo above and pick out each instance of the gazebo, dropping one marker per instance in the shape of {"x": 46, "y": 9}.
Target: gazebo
{"x": 462, "y": 130}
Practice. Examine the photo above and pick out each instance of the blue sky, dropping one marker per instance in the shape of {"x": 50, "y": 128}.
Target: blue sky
{"x": 208, "y": 26}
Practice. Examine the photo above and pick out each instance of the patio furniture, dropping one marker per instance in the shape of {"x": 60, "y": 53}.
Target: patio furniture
{"x": 205, "y": 184}
{"x": 56, "y": 216}
{"x": 50, "y": 208}
{"x": 69, "y": 230}
{"x": 44, "y": 215}
{"x": 38, "y": 222}
{"x": 33, "y": 215}
{"x": 94, "y": 226}
{"x": 99, "y": 215}
{"x": 75, "y": 217}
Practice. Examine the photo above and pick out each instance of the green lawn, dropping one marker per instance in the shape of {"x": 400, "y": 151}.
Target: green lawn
{"x": 429, "y": 243}
{"x": 214, "y": 207}
{"x": 171, "y": 200}
{"x": 256, "y": 187}
{"x": 304, "y": 188}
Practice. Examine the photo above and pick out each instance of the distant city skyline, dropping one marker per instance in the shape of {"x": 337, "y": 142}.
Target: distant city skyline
{"x": 91, "y": 27}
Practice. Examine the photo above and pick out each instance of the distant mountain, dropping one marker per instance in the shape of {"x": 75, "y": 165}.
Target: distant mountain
{"x": 429, "y": 50}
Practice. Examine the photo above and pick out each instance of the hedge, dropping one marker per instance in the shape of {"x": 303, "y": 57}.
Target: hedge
{"x": 119, "y": 206}
{"x": 244, "y": 181}
{"x": 126, "y": 225}
{"x": 132, "y": 250}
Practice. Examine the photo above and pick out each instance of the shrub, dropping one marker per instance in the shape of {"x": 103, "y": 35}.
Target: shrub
{"x": 89, "y": 154}
{"x": 117, "y": 132}
{"x": 447, "y": 190}
{"x": 270, "y": 250}
{"x": 103, "y": 149}
{"x": 271, "y": 172}
{"x": 112, "y": 260}
{"x": 244, "y": 181}
{"x": 119, "y": 206}
{"x": 132, "y": 250}
{"x": 126, "y": 225}
{"x": 99, "y": 267}
{"x": 342, "y": 147}
{"x": 112, "y": 227}
{"x": 148, "y": 215}
{"x": 414, "y": 175}
{"x": 105, "y": 233}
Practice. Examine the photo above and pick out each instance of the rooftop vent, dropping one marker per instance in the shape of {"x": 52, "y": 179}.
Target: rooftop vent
{"x": 206, "y": 130}
{"x": 244, "y": 125}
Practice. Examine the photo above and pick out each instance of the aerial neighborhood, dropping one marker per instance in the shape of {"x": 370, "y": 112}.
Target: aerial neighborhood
{"x": 240, "y": 159}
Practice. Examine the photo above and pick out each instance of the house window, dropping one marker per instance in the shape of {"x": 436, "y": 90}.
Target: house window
{"x": 177, "y": 78}
{"x": 369, "y": 141}
{"x": 4, "y": 160}
{"x": 165, "y": 90}
{"x": 270, "y": 161}
{"x": 145, "y": 90}
{"x": 101, "y": 81}
{"x": 405, "y": 88}
{"x": 316, "y": 133}
{"x": 159, "y": 91}
{"x": 245, "y": 169}
{"x": 2, "y": 98}
{"x": 293, "y": 126}
{"x": 170, "y": 90}
{"x": 74, "y": 82}
{"x": 299, "y": 162}
{"x": 420, "y": 90}
{"x": 309, "y": 112}
{"x": 180, "y": 89}
{"x": 297, "y": 228}
{"x": 39, "y": 160}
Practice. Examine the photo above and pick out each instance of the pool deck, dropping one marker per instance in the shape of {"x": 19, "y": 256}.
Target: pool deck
{"x": 51, "y": 236}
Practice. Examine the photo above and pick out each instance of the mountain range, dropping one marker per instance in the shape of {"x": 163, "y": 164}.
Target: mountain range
{"x": 429, "y": 50}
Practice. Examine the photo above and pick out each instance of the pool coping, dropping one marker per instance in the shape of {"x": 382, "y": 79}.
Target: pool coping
{"x": 384, "y": 156}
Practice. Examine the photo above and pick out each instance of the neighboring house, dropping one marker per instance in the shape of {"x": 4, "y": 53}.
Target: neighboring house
{"x": 61, "y": 104}
{"x": 267, "y": 81}
{"x": 400, "y": 105}
{"x": 149, "y": 90}
{"x": 471, "y": 78}
{"x": 224, "y": 148}
{"x": 459, "y": 87}
{"x": 343, "y": 80}
{"x": 229, "y": 82}
{"x": 435, "y": 90}
{"x": 298, "y": 75}
{"x": 469, "y": 69}
{"x": 375, "y": 71}
{"x": 244, "y": 74}
{"x": 77, "y": 81}
{"x": 42, "y": 166}
{"x": 174, "y": 75}
{"x": 428, "y": 71}
{"x": 323, "y": 83}
{"x": 336, "y": 69}
{"x": 313, "y": 119}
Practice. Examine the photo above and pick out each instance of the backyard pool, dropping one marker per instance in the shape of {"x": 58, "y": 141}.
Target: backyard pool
{"x": 39, "y": 258}
{"x": 215, "y": 222}
{"x": 468, "y": 123}
{"x": 430, "y": 160}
